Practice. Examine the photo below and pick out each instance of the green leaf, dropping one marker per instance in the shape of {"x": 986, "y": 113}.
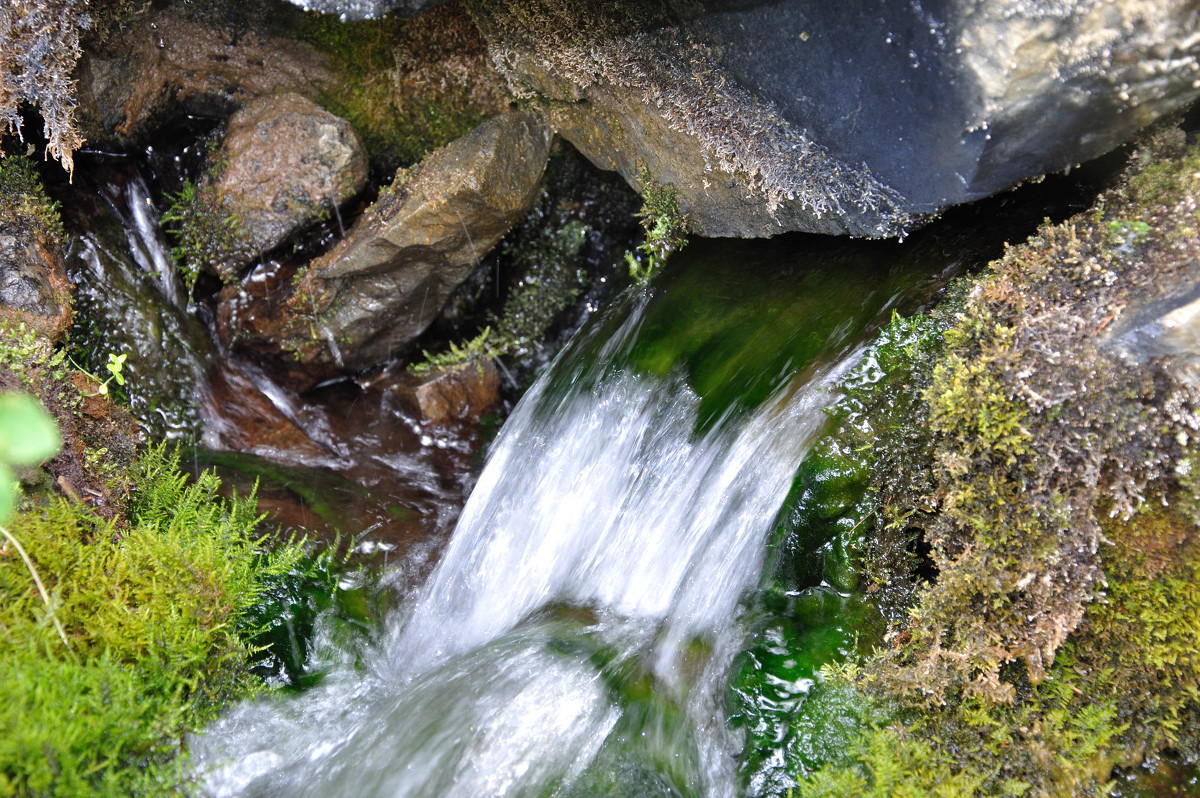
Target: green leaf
{"x": 8, "y": 491}
{"x": 28, "y": 435}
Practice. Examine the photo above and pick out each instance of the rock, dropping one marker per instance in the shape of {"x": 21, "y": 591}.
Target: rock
{"x": 826, "y": 117}
{"x": 34, "y": 289}
{"x": 170, "y": 64}
{"x": 283, "y": 165}
{"x": 1165, "y": 326}
{"x": 464, "y": 393}
{"x": 380, "y": 287}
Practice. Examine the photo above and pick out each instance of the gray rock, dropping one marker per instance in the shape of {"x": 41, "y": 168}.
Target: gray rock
{"x": 285, "y": 163}
{"x": 859, "y": 117}
{"x": 380, "y": 287}
{"x": 1168, "y": 326}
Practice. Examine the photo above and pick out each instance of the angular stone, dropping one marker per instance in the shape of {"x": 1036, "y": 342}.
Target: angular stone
{"x": 284, "y": 163}
{"x": 464, "y": 393}
{"x": 859, "y": 117}
{"x": 380, "y": 287}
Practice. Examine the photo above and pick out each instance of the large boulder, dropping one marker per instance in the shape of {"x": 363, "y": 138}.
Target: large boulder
{"x": 284, "y": 164}
{"x": 381, "y": 286}
{"x": 859, "y": 117}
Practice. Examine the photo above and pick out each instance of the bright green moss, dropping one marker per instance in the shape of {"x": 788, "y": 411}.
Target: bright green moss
{"x": 153, "y": 607}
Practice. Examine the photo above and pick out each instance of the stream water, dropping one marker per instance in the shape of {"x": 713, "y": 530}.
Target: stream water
{"x": 571, "y": 629}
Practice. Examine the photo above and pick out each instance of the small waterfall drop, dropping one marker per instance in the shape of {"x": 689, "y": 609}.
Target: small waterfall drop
{"x": 578, "y": 629}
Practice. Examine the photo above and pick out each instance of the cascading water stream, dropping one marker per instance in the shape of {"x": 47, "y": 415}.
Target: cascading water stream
{"x": 579, "y": 626}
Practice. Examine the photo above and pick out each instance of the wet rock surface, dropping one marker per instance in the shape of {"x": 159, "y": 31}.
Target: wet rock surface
{"x": 34, "y": 289}
{"x": 33, "y": 285}
{"x": 853, "y": 118}
{"x": 284, "y": 164}
{"x": 181, "y": 61}
{"x": 461, "y": 394}
{"x": 381, "y": 286}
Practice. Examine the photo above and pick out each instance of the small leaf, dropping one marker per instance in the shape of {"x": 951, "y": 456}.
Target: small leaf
{"x": 8, "y": 491}
{"x": 27, "y": 433}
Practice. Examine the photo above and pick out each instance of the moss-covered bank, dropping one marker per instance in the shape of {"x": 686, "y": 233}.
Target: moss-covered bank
{"x": 133, "y": 601}
{"x": 1040, "y": 470}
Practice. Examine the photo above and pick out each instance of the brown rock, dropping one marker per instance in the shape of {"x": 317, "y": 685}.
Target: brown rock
{"x": 285, "y": 163}
{"x": 380, "y": 287}
{"x": 460, "y": 394}
{"x": 34, "y": 289}
{"x": 170, "y": 64}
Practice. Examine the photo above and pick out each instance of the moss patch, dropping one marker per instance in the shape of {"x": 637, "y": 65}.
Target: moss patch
{"x": 153, "y": 606}
{"x": 407, "y": 86}
{"x": 1055, "y": 491}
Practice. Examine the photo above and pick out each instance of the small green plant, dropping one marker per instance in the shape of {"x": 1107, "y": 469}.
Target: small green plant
{"x": 477, "y": 350}
{"x": 116, "y": 372}
{"x": 208, "y": 237}
{"x": 27, "y": 437}
{"x": 551, "y": 281}
{"x": 665, "y": 225}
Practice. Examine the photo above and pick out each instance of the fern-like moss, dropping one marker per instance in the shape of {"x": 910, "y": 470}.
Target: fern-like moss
{"x": 153, "y": 607}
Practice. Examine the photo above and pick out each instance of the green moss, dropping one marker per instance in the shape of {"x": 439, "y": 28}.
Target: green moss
{"x": 665, "y": 224}
{"x": 407, "y": 86}
{"x": 24, "y": 204}
{"x": 154, "y": 608}
{"x": 206, "y": 232}
{"x": 1059, "y": 638}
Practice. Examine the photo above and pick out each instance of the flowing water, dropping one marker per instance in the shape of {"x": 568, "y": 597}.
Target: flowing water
{"x": 603, "y": 553}
{"x": 577, "y": 631}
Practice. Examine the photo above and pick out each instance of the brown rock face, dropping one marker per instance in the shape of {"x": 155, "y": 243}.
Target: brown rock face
{"x": 34, "y": 289}
{"x": 382, "y": 285}
{"x": 464, "y": 393}
{"x": 169, "y": 63}
{"x": 285, "y": 162}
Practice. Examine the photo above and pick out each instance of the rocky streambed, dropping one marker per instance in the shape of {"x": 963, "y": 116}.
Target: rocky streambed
{"x": 330, "y": 257}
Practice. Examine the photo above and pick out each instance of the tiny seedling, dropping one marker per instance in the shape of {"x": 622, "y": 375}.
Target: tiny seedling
{"x": 116, "y": 371}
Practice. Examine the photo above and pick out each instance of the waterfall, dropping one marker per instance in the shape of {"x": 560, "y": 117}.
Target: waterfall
{"x": 578, "y": 628}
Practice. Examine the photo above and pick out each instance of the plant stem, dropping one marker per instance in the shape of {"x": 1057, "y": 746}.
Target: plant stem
{"x": 37, "y": 580}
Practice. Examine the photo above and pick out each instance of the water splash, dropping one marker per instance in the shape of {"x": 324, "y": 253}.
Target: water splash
{"x": 579, "y": 626}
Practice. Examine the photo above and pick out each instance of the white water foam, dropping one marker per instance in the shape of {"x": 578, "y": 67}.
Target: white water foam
{"x": 602, "y": 496}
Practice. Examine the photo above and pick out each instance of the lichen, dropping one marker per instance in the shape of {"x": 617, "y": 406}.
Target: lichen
{"x": 572, "y": 52}
{"x": 39, "y": 47}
